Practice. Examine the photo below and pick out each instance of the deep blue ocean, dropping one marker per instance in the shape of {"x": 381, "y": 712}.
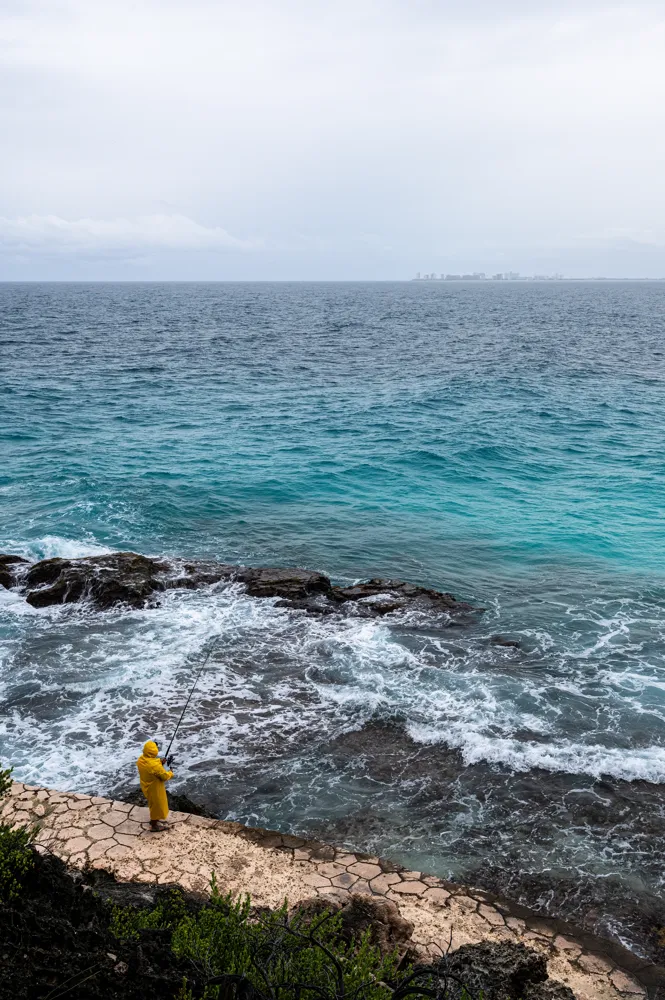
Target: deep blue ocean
{"x": 501, "y": 441}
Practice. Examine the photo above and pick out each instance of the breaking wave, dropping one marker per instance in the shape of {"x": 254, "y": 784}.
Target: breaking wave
{"x": 53, "y": 547}
{"x": 89, "y": 685}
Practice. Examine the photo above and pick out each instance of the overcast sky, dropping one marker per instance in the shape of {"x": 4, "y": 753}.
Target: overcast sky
{"x": 339, "y": 139}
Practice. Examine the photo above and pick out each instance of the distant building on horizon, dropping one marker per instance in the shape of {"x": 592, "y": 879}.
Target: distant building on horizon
{"x": 499, "y": 276}
{"x": 516, "y": 276}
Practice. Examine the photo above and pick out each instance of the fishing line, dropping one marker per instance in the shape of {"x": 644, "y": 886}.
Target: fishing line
{"x": 189, "y": 698}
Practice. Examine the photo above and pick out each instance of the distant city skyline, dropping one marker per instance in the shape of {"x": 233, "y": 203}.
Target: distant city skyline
{"x": 516, "y": 276}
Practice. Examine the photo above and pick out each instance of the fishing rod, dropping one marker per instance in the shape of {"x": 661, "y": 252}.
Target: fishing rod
{"x": 168, "y": 757}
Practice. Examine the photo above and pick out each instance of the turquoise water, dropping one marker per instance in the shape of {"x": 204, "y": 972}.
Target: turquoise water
{"x": 369, "y": 427}
{"x": 501, "y": 442}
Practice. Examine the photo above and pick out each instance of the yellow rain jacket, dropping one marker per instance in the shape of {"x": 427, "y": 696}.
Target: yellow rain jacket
{"x": 153, "y": 780}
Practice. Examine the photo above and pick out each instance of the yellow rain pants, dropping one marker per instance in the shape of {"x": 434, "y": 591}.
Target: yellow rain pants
{"x": 153, "y": 778}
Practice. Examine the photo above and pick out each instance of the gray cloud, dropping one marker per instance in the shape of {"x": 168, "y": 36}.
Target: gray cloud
{"x": 51, "y": 234}
{"x": 448, "y": 132}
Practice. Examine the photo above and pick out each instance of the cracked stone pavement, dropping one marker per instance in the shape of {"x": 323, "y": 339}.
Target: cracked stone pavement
{"x": 90, "y": 831}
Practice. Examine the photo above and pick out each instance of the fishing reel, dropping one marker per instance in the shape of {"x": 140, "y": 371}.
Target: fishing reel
{"x": 170, "y": 760}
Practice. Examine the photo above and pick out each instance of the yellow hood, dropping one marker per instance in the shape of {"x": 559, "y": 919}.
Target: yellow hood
{"x": 150, "y": 749}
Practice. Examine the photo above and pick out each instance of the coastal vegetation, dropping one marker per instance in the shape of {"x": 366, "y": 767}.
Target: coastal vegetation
{"x": 76, "y": 934}
{"x": 16, "y": 855}
{"x": 275, "y": 955}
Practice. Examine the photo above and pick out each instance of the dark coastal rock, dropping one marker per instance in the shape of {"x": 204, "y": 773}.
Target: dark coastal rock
{"x": 192, "y": 575}
{"x": 383, "y": 750}
{"x": 292, "y": 584}
{"x": 397, "y": 589}
{"x": 135, "y": 580}
{"x": 178, "y": 802}
{"x": 378, "y": 597}
{"x": 8, "y": 567}
{"x": 381, "y": 596}
{"x": 389, "y": 930}
{"x": 289, "y": 584}
{"x": 505, "y": 971}
{"x": 117, "y": 578}
{"x": 500, "y": 640}
{"x": 317, "y": 605}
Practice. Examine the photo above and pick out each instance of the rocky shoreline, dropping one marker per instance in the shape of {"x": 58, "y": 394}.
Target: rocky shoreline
{"x": 136, "y": 580}
{"x": 380, "y": 751}
{"x": 96, "y": 836}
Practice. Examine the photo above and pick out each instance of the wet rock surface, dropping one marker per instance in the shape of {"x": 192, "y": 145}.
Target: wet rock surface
{"x": 136, "y": 580}
{"x": 8, "y": 570}
{"x": 383, "y": 596}
{"x": 436, "y": 778}
{"x": 294, "y": 584}
{"x": 502, "y": 640}
{"x": 119, "y": 578}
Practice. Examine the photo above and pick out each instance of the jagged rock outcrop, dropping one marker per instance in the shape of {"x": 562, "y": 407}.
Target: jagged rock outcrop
{"x": 494, "y": 970}
{"x": 136, "y": 580}
{"x": 8, "y": 568}
{"x": 292, "y": 584}
{"x": 376, "y": 597}
{"x": 504, "y": 971}
{"x": 118, "y": 578}
{"x": 389, "y": 930}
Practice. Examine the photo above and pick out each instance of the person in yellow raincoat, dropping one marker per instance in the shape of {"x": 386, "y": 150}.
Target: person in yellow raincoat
{"x": 153, "y": 777}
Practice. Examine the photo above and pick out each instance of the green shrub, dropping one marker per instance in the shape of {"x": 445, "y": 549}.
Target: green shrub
{"x": 239, "y": 955}
{"x": 128, "y": 921}
{"x": 184, "y": 993}
{"x": 5, "y": 781}
{"x": 16, "y": 856}
{"x": 273, "y": 955}
{"x": 279, "y": 956}
{"x": 16, "y": 860}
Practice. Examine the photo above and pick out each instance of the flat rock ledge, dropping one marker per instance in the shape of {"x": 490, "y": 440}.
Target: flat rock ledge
{"x": 90, "y": 831}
